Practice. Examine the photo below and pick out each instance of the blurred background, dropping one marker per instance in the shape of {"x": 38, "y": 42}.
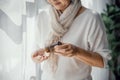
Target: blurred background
{"x": 18, "y": 28}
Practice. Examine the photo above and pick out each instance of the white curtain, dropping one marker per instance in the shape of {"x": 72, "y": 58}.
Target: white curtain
{"x": 11, "y": 40}
{"x": 98, "y": 5}
{"x": 17, "y": 38}
{"x": 17, "y": 21}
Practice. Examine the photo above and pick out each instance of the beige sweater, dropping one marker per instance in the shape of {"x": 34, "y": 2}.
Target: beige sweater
{"x": 87, "y": 32}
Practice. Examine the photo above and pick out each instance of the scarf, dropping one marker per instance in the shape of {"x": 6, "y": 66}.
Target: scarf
{"x": 60, "y": 24}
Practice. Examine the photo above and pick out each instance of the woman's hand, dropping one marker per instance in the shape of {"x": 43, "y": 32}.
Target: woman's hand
{"x": 39, "y": 56}
{"x": 66, "y": 49}
{"x": 90, "y": 58}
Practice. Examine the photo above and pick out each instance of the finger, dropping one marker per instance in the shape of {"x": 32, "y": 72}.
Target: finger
{"x": 38, "y": 52}
{"x": 37, "y": 58}
{"x": 40, "y": 59}
{"x": 68, "y": 53}
{"x": 41, "y": 50}
{"x": 63, "y": 46}
{"x": 45, "y": 57}
{"x": 69, "y": 46}
{"x": 35, "y": 54}
{"x": 62, "y": 50}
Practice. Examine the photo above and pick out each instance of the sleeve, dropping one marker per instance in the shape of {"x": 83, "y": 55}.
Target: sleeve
{"x": 42, "y": 28}
{"x": 97, "y": 39}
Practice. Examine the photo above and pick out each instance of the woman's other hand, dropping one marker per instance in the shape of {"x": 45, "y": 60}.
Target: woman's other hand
{"x": 66, "y": 49}
{"x": 39, "y": 56}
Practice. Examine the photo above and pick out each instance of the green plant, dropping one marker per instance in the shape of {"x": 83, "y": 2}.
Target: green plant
{"x": 111, "y": 18}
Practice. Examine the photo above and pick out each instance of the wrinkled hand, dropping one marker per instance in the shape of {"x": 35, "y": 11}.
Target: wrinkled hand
{"x": 66, "y": 49}
{"x": 39, "y": 56}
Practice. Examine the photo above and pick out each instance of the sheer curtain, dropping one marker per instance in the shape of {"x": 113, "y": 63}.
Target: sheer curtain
{"x": 12, "y": 55}
{"x": 17, "y": 38}
{"x": 98, "y": 5}
{"x": 17, "y": 19}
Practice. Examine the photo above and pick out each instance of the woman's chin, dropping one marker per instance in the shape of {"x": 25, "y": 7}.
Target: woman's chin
{"x": 58, "y": 8}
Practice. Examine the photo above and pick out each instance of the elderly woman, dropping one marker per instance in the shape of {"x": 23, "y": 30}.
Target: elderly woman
{"x": 84, "y": 42}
